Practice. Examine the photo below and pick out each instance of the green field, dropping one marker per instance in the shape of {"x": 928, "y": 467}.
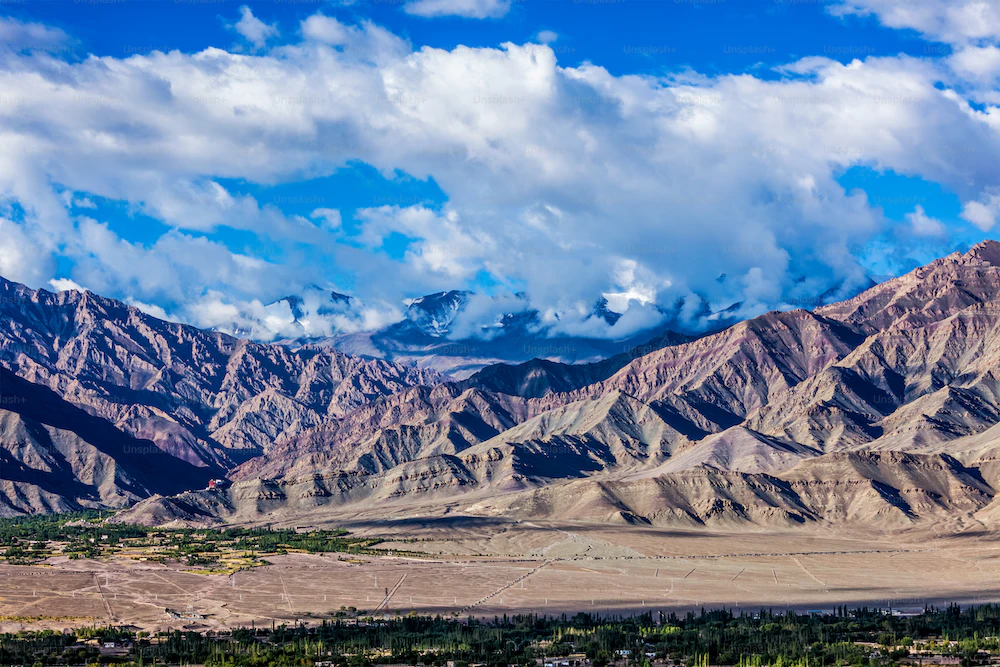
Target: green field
{"x": 32, "y": 539}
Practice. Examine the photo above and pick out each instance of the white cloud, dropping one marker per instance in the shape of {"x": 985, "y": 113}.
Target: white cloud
{"x": 255, "y": 31}
{"x": 977, "y": 63}
{"x": 443, "y": 247}
{"x": 473, "y": 9}
{"x": 219, "y": 311}
{"x": 983, "y": 212}
{"x": 22, "y": 258}
{"x": 329, "y": 216}
{"x": 556, "y": 177}
{"x": 325, "y": 29}
{"x": 65, "y": 284}
{"x": 632, "y": 286}
{"x": 949, "y": 21}
{"x": 923, "y": 225}
{"x": 547, "y": 36}
{"x": 151, "y": 309}
{"x": 18, "y": 35}
{"x": 366, "y": 42}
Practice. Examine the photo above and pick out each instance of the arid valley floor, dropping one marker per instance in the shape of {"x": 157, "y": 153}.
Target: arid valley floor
{"x": 495, "y": 568}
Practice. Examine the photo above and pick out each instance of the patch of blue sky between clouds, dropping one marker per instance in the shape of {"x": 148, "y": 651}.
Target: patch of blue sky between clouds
{"x": 350, "y": 189}
{"x": 649, "y": 37}
{"x": 900, "y": 248}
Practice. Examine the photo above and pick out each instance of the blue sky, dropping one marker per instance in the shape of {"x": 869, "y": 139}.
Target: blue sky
{"x": 623, "y": 36}
{"x": 202, "y": 159}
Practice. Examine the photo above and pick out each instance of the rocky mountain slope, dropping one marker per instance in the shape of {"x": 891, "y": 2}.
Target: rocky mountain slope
{"x": 56, "y": 457}
{"x": 885, "y": 489}
{"x": 880, "y": 409}
{"x": 203, "y": 397}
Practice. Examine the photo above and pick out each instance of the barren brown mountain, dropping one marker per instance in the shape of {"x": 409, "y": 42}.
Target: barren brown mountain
{"x": 881, "y": 410}
{"x": 55, "y": 457}
{"x": 207, "y": 398}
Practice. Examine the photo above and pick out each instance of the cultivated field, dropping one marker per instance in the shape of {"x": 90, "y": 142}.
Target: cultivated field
{"x": 507, "y": 568}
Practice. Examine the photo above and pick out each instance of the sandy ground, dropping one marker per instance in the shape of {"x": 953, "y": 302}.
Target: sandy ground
{"x": 486, "y": 569}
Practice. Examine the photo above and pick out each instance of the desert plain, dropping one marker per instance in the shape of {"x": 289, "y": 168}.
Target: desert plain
{"x": 457, "y": 565}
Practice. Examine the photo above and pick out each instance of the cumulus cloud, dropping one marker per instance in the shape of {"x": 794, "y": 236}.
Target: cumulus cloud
{"x": 977, "y": 63}
{"x": 366, "y": 42}
{"x": 922, "y": 224}
{"x": 473, "y": 9}
{"x": 950, "y": 21}
{"x": 983, "y": 212}
{"x": 325, "y": 29}
{"x": 20, "y": 35}
{"x": 255, "y": 31}
{"x": 444, "y": 245}
{"x": 565, "y": 183}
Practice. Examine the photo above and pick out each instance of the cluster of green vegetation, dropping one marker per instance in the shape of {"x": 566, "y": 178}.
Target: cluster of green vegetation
{"x": 66, "y": 526}
{"x": 30, "y": 539}
{"x": 864, "y": 637}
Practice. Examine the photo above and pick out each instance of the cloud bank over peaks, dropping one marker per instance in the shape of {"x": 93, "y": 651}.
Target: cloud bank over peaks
{"x": 677, "y": 196}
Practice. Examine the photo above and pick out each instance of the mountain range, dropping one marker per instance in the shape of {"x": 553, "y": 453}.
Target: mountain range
{"x": 431, "y": 334}
{"x": 881, "y": 410}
